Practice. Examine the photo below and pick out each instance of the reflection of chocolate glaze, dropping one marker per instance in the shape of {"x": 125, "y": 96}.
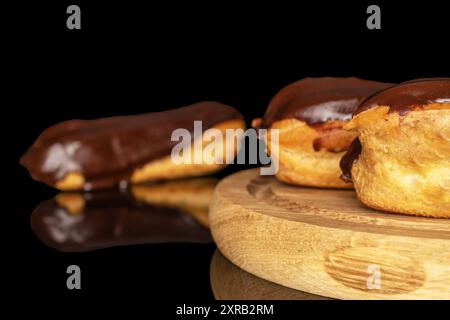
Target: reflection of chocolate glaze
{"x": 112, "y": 219}
{"x": 318, "y": 100}
{"x": 107, "y": 150}
{"x": 403, "y": 98}
{"x": 349, "y": 158}
{"x": 410, "y": 95}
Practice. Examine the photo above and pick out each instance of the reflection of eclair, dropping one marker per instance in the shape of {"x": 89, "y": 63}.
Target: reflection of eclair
{"x": 175, "y": 211}
{"x": 188, "y": 195}
{"x": 401, "y": 159}
{"x": 309, "y": 115}
{"x": 93, "y": 154}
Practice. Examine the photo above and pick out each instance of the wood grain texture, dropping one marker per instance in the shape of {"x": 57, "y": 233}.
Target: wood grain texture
{"x": 229, "y": 282}
{"x": 327, "y": 243}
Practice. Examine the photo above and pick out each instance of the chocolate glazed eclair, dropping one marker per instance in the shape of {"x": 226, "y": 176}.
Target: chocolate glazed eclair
{"x": 309, "y": 115}
{"x": 108, "y": 152}
{"x": 400, "y": 161}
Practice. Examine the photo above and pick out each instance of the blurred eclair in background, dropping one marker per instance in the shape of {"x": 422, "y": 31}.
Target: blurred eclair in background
{"x": 117, "y": 151}
{"x": 310, "y": 115}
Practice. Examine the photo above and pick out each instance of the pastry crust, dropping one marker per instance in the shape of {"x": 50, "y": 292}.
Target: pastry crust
{"x": 310, "y": 155}
{"x": 165, "y": 168}
{"x": 404, "y": 165}
{"x": 310, "y": 114}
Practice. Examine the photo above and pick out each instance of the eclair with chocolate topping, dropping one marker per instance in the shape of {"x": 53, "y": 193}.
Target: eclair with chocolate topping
{"x": 400, "y": 161}
{"x": 310, "y": 115}
{"x": 116, "y": 151}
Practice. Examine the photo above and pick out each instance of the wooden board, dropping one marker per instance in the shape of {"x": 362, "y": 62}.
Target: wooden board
{"x": 228, "y": 282}
{"x": 327, "y": 243}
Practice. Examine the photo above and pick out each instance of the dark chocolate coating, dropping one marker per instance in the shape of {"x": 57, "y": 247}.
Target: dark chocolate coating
{"x": 410, "y": 95}
{"x": 318, "y": 100}
{"x": 106, "y": 151}
{"x": 403, "y": 98}
{"x": 112, "y": 218}
{"x": 349, "y": 158}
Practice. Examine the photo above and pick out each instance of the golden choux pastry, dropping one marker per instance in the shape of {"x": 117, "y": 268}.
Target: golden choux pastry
{"x": 309, "y": 115}
{"x": 400, "y": 161}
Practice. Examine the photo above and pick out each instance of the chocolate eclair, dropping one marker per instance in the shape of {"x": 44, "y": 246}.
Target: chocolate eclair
{"x": 400, "y": 161}
{"x": 108, "y": 152}
{"x": 309, "y": 115}
{"x": 165, "y": 212}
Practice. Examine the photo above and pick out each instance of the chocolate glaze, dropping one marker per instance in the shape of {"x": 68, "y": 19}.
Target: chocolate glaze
{"x": 106, "y": 151}
{"x": 349, "y": 158}
{"x": 410, "y": 95}
{"x": 318, "y": 100}
{"x": 403, "y": 98}
{"x": 113, "y": 218}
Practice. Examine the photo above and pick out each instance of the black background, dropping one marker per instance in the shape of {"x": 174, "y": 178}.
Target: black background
{"x": 131, "y": 58}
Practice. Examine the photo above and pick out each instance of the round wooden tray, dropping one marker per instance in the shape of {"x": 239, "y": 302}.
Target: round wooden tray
{"x": 327, "y": 243}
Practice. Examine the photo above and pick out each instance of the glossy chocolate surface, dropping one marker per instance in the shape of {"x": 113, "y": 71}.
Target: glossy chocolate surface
{"x": 349, "y": 158}
{"x": 106, "y": 151}
{"x": 318, "y": 100}
{"x": 403, "y": 98}
{"x": 113, "y": 218}
{"x": 410, "y": 95}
